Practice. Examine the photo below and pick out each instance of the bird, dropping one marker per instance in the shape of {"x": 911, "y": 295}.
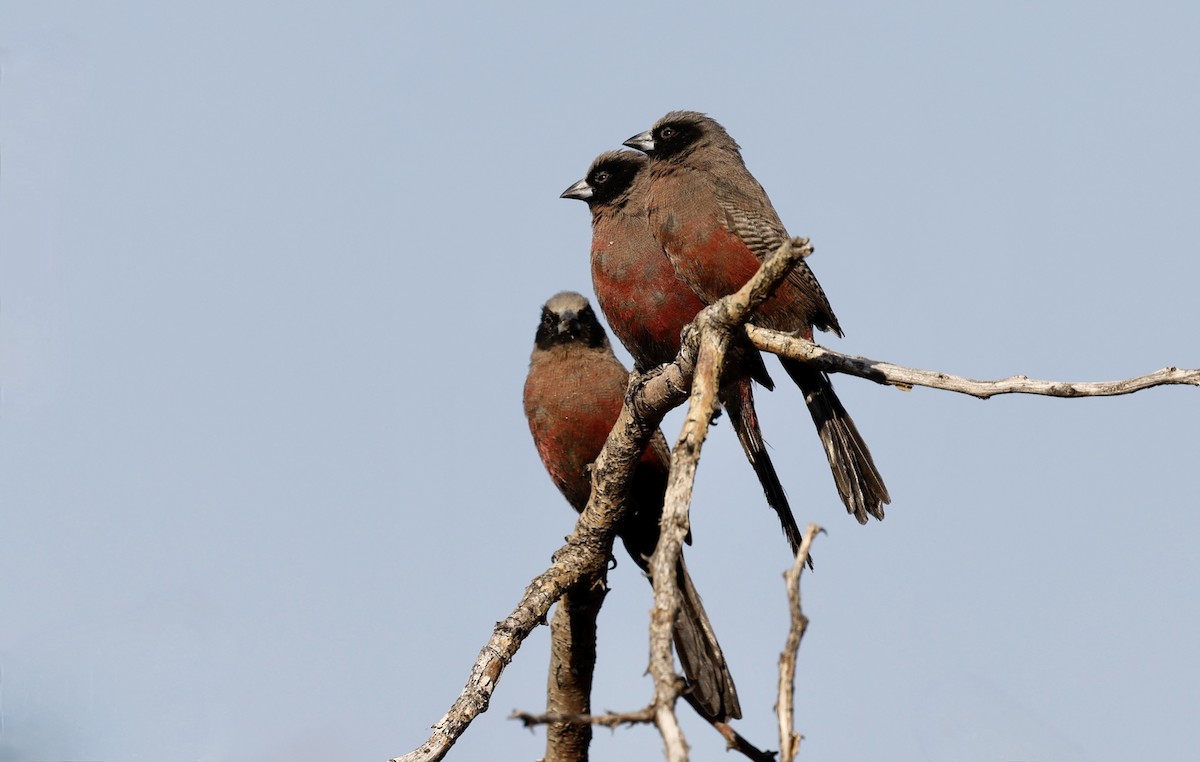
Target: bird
{"x": 647, "y": 306}
{"x": 573, "y": 396}
{"x": 716, "y": 224}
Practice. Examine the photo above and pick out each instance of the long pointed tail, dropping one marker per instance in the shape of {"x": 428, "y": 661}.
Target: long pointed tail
{"x": 858, "y": 480}
{"x": 710, "y": 686}
{"x": 738, "y": 398}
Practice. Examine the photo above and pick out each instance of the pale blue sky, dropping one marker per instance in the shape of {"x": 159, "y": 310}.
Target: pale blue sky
{"x": 269, "y": 278}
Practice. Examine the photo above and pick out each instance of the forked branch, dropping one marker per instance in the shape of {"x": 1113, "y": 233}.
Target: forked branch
{"x": 588, "y": 548}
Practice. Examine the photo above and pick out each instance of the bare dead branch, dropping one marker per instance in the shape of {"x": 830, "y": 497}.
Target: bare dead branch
{"x": 715, "y": 326}
{"x": 898, "y": 375}
{"x": 789, "y": 739}
{"x": 572, "y": 663}
{"x": 675, "y": 523}
{"x": 499, "y": 651}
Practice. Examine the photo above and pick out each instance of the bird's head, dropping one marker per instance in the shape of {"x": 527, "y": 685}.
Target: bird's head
{"x": 567, "y": 318}
{"x": 609, "y": 180}
{"x": 680, "y": 133}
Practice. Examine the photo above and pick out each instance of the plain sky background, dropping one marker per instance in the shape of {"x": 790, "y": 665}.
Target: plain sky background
{"x": 269, "y": 280}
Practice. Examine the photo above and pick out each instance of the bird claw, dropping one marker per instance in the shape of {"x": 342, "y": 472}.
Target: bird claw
{"x": 688, "y": 336}
{"x": 638, "y": 380}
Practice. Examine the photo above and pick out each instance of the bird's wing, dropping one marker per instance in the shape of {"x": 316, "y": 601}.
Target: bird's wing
{"x": 753, "y": 219}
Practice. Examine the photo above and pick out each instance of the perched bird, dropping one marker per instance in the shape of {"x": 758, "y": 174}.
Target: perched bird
{"x": 573, "y": 396}
{"x": 647, "y": 306}
{"x": 716, "y": 225}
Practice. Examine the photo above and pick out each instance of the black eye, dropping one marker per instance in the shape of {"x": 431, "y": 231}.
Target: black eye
{"x": 666, "y": 133}
{"x": 601, "y": 178}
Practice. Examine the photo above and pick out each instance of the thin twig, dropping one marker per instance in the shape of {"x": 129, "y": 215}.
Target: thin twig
{"x": 789, "y": 739}
{"x": 898, "y": 375}
{"x": 734, "y": 741}
{"x": 610, "y": 720}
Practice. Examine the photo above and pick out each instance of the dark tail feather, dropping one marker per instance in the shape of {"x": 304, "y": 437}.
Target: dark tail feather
{"x": 710, "y": 688}
{"x": 749, "y": 361}
{"x": 739, "y": 404}
{"x": 858, "y": 481}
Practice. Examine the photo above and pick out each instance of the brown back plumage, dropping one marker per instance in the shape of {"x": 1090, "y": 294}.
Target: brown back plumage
{"x": 716, "y": 223}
